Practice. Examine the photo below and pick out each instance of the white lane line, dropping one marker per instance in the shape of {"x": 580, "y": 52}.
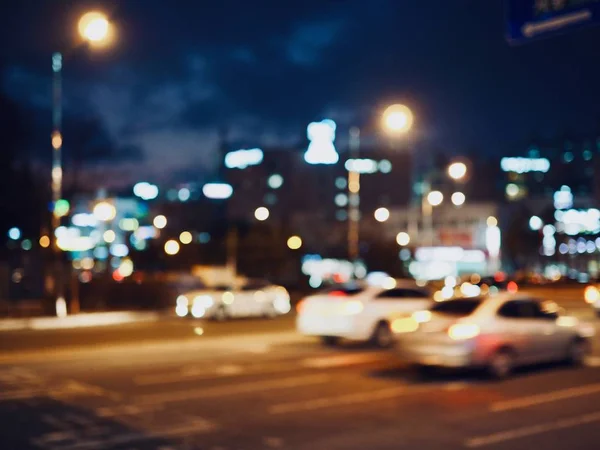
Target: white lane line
{"x": 231, "y": 389}
{"x": 347, "y": 399}
{"x": 232, "y": 370}
{"x": 323, "y": 362}
{"x": 548, "y": 397}
{"x": 517, "y": 433}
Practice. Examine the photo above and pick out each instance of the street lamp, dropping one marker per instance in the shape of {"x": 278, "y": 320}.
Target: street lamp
{"x": 396, "y": 120}
{"x": 95, "y": 29}
{"x": 457, "y": 171}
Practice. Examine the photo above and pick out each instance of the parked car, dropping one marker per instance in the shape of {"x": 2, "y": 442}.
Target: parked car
{"x": 496, "y": 333}
{"x": 358, "y": 311}
{"x": 252, "y": 299}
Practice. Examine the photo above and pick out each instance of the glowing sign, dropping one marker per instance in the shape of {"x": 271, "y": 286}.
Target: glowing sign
{"x": 145, "y": 191}
{"x": 240, "y": 159}
{"x": 563, "y": 199}
{"x": 321, "y": 149}
{"x": 524, "y": 165}
{"x": 361, "y": 165}
{"x": 217, "y": 191}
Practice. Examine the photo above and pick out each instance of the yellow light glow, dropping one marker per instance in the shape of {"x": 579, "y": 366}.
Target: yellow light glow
{"x": 94, "y": 27}
{"x": 435, "y": 198}
{"x": 354, "y": 187}
{"x": 171, "y": 247}
{"x": 397, "y": 119}
{"x": 457, "y": 170}
{"x": 44, "y": 242}
{"x": 422, "y": 316}
{"x": 56, "y": 140}
{"x": 160, "y": 222}
{"x": 87, "y": 263}
{"x": 438, "y": 296}
{"x": 591, "y": 295}
{"x": 463, "y": 331}
{"x": 389, "y": 283}
{"x": 492, "y": 221}
{"x": 126, "y": 268}
{"x": 403, "y": 238}
{"x": 104, "y": 211}
{"x": 294, "y": 242}
{"x": 185, "y": 237}
{"x": 405, "y": 325}
{"x": 228, "y": 298}
{"x": 109, "y": 236}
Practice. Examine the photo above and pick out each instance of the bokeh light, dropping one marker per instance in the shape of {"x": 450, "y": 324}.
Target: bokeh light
{"x": 185, "y": 237}
{"x": 382, "y": 214}
{"x": 160, "y": 222}
{"x": 403, "y": 238}
{"x": 261, "y": 213}
{"x": 171, "y": 247}
{"x": 458, "y": 199}
{"x": 94, "y": 27}
{"x": 294, "y": 242}
{"x": 44, "y": 242}
{"x": 435, "y": 198}
{"x": 104, "y": 211}
{"x": 457, "y": 170}
{"x": 397, "y": 119}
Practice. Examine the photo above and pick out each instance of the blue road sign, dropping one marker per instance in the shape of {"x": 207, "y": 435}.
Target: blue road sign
{"x": 534, "y": 19}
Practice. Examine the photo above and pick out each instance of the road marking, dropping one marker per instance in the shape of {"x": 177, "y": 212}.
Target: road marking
{"x": 231, "y": 389}
{"x": 518, "y": 433}
{"x": 323, "y": 362}
{"x": 347, "y": 399}
{"x": 553, "y": 396}
{"x": 232, "y": 370}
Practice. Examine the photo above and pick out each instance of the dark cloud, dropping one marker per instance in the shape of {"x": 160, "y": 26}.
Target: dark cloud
{"x": 264, "y": 69}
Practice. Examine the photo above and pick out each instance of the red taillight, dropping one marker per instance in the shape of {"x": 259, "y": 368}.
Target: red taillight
{"x": 337, "y": 294}
{"x": 512, "y": 287}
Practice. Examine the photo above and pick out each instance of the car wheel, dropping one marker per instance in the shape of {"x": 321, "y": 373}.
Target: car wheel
{"x": 382, "y": 336}
{"x": 220, "y": 314}
{"x": 578, "y": 350}
{"x": 501, "y": 364}
{"x": 330, "y": 341}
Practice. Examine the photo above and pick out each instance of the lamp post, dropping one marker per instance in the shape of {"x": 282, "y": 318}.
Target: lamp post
{"x": 94, "y": 28}
{"x": 396, "y": 120}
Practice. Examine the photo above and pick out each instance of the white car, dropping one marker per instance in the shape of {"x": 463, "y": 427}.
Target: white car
{"x": 253, "y": 299}
{"x": 497, "y": 333}
{"x": 358, "y": 312}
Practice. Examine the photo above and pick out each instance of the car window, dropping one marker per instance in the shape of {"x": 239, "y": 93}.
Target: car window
{"x": 459, "y": 307}
{"x": 521, "y": 309}
{"x": 402, "y": 293}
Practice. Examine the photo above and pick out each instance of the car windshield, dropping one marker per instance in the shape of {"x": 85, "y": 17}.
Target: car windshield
{"x": 459, "y": 307}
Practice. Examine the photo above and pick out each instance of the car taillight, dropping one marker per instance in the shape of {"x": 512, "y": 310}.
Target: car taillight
{"x": 337, "y": 294}
{"x": 591, "y": 294}
{"x": 300, "y": 306}
{"x": 463, "y": 331}
{"x": 512, "y": 287}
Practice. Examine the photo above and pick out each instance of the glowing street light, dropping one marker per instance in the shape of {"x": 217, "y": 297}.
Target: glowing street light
{"x": 458, "y": 199}
{"x": 171, "y": 247}
{"x": 382, "y": 214}
{"x": 160, "y": 222}
{"x": 397, "y": 119}
{"x": 294, "y": 242}
{"x": 403, "y": 238}
{"x": 104, "y": 211}
{"x": 435, "y": 198}
{"x": 185, "y": 237}
{"x": 261, "y": 214}
{"x": 457, "y": 171}
{"x": 94, "y": 27}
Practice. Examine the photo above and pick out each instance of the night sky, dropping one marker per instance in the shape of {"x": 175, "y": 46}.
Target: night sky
{"x": 181, "y": 70}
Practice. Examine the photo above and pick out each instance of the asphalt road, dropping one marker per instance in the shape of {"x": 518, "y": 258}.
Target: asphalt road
{"x": 249, "y": 385}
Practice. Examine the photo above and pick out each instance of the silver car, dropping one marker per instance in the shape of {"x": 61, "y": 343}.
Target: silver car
{"x": 496, "y": 333}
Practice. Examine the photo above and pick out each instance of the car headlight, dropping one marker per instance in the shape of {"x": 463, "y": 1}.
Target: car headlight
{"x": 591, "y": 294}
{"x": 181, "y": 310}
{"x": 463, "y": 331}
{"x": 206, "y": 301}
{"x": 405, "y": 325}
{"x": 422, "y": 316}
{"x": 182, "y": 300}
